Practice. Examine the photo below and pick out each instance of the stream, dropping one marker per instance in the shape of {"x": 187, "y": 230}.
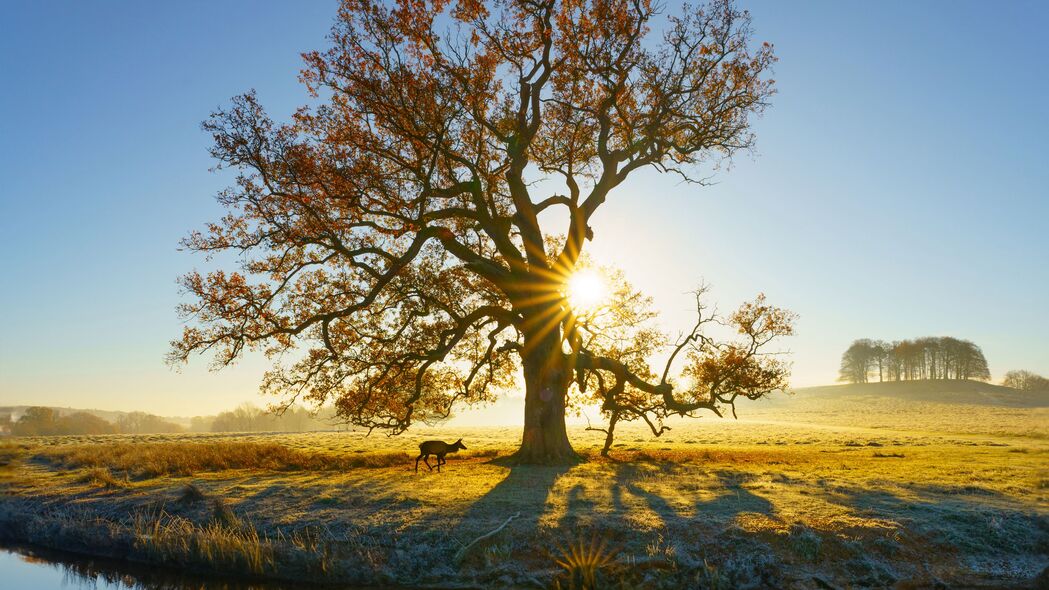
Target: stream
{"x": 24, "y": 567}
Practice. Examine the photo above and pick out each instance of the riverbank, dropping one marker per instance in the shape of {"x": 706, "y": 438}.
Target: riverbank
{"x": 38, "y": 568}
{"x": 723, "y": 504}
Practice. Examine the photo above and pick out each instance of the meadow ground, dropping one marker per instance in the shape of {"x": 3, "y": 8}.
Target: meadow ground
{"x": 827, "y": 495}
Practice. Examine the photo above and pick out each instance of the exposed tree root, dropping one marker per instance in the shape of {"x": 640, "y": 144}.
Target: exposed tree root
{"x": 459, "y": 555}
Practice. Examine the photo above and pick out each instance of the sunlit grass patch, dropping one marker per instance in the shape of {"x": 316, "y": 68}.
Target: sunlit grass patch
{"x": 148, "y": 460}
{"x": 12, "y": 450}
{"x": 481, "y": 454}
{"x": 101, "y": 476}
{"x": 707, "y": 456}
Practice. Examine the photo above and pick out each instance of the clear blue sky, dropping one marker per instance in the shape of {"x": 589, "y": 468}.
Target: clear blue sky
{"x": 899, "y": 186}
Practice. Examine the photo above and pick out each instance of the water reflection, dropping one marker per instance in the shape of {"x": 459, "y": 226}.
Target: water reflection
{"x": 25, "y": 568}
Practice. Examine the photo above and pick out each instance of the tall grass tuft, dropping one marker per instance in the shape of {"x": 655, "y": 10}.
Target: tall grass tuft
{"x": 174, "y": 540}
{"x": 712, "y": 577}
{"x": 223, "y": 515}
{"x": 191, "y": 494}
{"x": 583, "y": 563}
{"x": 101, "y": 476}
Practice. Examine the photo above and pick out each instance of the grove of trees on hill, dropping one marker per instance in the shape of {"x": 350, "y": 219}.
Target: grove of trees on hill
{"x": 910, "y": 360}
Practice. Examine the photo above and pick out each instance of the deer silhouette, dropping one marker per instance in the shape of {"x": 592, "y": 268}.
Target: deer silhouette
{"x": 439, "y": 448}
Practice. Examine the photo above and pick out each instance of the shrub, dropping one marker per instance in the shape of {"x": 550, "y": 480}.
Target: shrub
{"x": 100, "y": 476}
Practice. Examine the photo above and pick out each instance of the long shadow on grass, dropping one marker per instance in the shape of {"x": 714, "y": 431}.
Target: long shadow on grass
{"x": 525, "y": 489}
{"x": 971, "y": 518}
{"x": 628, "y": 482}
{"x": 731, "y": 497}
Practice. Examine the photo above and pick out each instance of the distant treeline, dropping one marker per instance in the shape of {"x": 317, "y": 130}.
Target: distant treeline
{"x": 249, "y": 418}
{"x": 910, "y": 360}
{"x": 44, "y": 421}
{"x": 39, "y": 421}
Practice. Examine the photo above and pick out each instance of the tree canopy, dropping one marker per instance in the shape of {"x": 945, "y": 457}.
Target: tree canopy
{"x": 395, "y": 257}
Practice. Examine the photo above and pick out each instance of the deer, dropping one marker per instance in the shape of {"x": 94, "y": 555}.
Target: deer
{"x": 439, "y": 448}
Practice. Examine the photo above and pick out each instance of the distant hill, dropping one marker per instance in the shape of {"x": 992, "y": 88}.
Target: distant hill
{"x": 109, "y": 415}
{"x": 944, "y": 392}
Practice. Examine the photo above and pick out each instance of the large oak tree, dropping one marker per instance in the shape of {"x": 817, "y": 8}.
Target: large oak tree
{"x": 396, "y": 257}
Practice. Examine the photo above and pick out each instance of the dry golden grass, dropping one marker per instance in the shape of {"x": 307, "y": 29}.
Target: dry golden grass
{"x": 154, "y": 459}
{"x": 713, "y": 503}
{"x": 169, "y": 539}
{"x": 100, "y": 476}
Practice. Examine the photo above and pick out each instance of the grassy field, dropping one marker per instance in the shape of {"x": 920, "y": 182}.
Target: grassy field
{"x": 828, "y": 493}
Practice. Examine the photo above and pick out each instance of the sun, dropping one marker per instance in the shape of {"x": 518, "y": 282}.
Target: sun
{"x": 586, "y": 291}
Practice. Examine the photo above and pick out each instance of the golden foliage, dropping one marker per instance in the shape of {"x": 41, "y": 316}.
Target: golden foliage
{"x": 392, "y": 257}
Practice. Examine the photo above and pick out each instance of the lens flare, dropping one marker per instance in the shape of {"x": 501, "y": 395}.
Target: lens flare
{"x": 586, "y": 291}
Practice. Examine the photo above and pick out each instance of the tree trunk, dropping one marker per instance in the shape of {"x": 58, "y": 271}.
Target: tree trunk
{"x": 545, "y": 440}
{"x": 610, "y": 434}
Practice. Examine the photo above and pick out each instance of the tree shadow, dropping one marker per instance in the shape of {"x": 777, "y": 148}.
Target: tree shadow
{"x": 732, "y": 498}
{"x": 525, "y": 490}
{"x": 968, "y": 518}
{"x": 576, "y": 504}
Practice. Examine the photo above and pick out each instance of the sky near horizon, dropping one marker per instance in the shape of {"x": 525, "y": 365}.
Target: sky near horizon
{"x": 900, "y": 187}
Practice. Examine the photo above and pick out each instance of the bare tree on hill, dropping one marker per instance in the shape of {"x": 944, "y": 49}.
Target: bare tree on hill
{"x": 1025, "y": 381}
